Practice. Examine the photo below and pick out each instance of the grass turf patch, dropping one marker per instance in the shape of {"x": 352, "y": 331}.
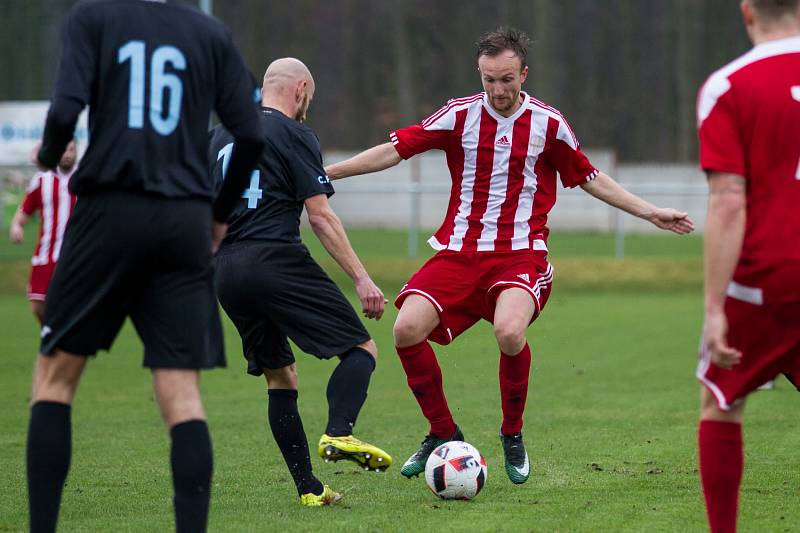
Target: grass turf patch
{"x": 610, "y": 423}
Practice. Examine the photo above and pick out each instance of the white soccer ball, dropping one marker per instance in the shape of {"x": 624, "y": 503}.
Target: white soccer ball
{"x": 455, "y": 471}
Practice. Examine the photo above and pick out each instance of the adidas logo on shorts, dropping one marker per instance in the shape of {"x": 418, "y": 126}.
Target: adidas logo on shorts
{"x": 524, "y": 277}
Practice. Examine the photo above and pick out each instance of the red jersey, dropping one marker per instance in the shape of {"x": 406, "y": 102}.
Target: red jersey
{"x": 503, "y": 171}
{"x": 749, "y": 123}
{"x": 49, "y": 194}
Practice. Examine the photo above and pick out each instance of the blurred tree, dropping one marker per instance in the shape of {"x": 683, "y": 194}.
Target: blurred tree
{"x": 625, "y": 72}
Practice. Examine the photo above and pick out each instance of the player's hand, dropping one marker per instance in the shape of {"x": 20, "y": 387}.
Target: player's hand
{"x": 16, "y": 233}
{"x": 672, "y": 220}
{"x": 372, "y": 299}
{"x": 714, "y": 338}
{"x": 218, "y": 231}
{"x": 35, "y": 157}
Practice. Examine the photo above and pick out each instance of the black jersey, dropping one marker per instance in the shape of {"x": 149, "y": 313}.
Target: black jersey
{"x": 290, "y": 171}
{"x": 151, "y": 71}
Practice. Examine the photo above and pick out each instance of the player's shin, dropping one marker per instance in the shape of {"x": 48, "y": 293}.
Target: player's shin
{"x": 287, "y": 429}
{"x": 721, "y": 467}
{"x": 192, "y": 466}
{"x": 48, "y": 456}
{"x": 514, "y": 372}
{"x": 347, "y": 391}
{"x": 425, "y": 380}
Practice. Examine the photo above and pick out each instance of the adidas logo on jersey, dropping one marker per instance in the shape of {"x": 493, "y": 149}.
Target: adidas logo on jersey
{"x": 524, "y": 277}
{"x": 503, "y": 141}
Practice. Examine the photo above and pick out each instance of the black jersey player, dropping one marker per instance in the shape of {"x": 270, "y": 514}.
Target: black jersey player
{"x": 272, "y": 289}
{"x": 140, "y": 241}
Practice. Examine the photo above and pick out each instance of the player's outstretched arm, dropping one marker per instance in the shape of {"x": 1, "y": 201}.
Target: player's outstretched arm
{"x": 724, "y": 233}
{"x": 375, "y": 159}
{"x": 329, "y": 230}
{"x": 604, "y": 188}
{"x": 17, "y": 231}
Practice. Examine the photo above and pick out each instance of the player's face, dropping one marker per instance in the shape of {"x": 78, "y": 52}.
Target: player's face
{"x": 69, "y": 157}
{"x": 502, "y": 77}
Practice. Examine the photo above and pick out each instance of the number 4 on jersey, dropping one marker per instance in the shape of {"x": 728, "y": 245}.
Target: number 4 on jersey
{"x": 254, "y": 193}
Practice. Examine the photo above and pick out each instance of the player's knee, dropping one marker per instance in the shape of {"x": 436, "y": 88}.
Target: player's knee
{"x": 56, "y": 377}
{"x": 407, "y": 332}
{"x": 370, "y": 347}
{"x": 282, "y": 378}
{"x": 510, "y": 337}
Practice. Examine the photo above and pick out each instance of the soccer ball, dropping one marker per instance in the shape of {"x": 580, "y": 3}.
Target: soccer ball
{"x": 455, "y": 471}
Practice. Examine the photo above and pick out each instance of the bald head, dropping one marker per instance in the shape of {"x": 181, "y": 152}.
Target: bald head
{"x": 286, "y": 73}
{"x": 288, "y": 87}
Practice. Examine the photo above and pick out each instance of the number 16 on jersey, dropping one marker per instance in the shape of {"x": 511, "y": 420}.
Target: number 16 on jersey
{"x": 254, "y": 193}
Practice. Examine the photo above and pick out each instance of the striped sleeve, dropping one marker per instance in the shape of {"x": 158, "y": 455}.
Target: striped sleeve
{"x": 33, "y": 196}
{"x": 433, "y": 133}
{"x": 565, "y": 155}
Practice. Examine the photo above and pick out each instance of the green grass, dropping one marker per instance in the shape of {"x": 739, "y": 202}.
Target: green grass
{"x": 610, "y": 423}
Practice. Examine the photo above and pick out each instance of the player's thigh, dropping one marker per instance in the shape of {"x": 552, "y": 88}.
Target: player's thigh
{"x": 449, "y": 282}
{"x": 710, "y": 410}
{"x": 176, "y": 312}
{"x": 766, "y": 335}
{"x": 88, "y": 294}
{"x": 264, "y": 345}
{"x": 177, "y": 318}
{"x": 56, "y": 377}
{"x": 177, "y": 392}
{"x": 311, "y": 309}
{"x": 415, "y": 321}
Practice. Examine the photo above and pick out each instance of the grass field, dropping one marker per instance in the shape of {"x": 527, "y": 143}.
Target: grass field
{"x": 610, "y": 423}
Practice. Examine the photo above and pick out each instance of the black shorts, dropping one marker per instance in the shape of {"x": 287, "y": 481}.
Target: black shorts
{"x": 143, "y": 256}
{"x": 272, "y": 291}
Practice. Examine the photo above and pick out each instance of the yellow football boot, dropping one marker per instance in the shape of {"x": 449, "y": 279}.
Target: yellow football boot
{"x": 365, "y": 455}
{"x": 328, "y": 497}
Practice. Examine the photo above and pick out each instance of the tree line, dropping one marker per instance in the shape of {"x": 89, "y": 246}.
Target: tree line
{"x": 624, "y": 72}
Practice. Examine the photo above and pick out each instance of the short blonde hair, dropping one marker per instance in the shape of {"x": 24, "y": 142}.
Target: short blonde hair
{"x": 776, "y": 9}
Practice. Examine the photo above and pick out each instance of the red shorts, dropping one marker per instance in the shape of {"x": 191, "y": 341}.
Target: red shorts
{"x": 768, "y": 337}
{"x": 463, "y": 286}
{"x": 40, "y": 280}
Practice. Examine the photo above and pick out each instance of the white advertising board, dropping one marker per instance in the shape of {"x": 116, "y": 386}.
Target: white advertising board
{"x": 21, "y": 127}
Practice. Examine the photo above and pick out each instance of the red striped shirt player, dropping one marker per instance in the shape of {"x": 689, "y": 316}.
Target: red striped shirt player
{"x": 504, "y": 151}
{"x": 749, "y": 123}
{"x": 47, "y": 193}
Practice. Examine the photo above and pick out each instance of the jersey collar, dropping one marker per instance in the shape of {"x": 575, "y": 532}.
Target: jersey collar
{"x": 500, "y": 118}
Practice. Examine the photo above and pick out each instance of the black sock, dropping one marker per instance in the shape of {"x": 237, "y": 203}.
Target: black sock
{"x": 287, "y": 428}
{"x": 192, "y": 466}
{"x": 48, "y": 456}
{"x": 347, "y": 391}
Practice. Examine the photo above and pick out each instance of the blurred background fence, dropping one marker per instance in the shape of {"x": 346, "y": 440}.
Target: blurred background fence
{"x": 624, "y": 72}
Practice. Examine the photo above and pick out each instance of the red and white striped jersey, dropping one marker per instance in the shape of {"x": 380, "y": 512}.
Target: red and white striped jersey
{"x": 48, "y": 193}
{"x": 748, "y": 115}
{"x": 503, "y": 171}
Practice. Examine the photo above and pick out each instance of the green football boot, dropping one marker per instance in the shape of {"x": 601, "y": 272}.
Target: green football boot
{"x": 415, "y": 465}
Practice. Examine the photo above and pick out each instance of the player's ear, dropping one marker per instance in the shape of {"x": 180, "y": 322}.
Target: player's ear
{"x": 523, "y": 75}
{"x": 747, "y": 13}
{"x": 299, "y": 92}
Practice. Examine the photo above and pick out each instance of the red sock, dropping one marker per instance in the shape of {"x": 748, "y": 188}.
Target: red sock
{"x": 721, "y": 466}
{"x": 425, "y": 381}
{"x": 514, "y": 370}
